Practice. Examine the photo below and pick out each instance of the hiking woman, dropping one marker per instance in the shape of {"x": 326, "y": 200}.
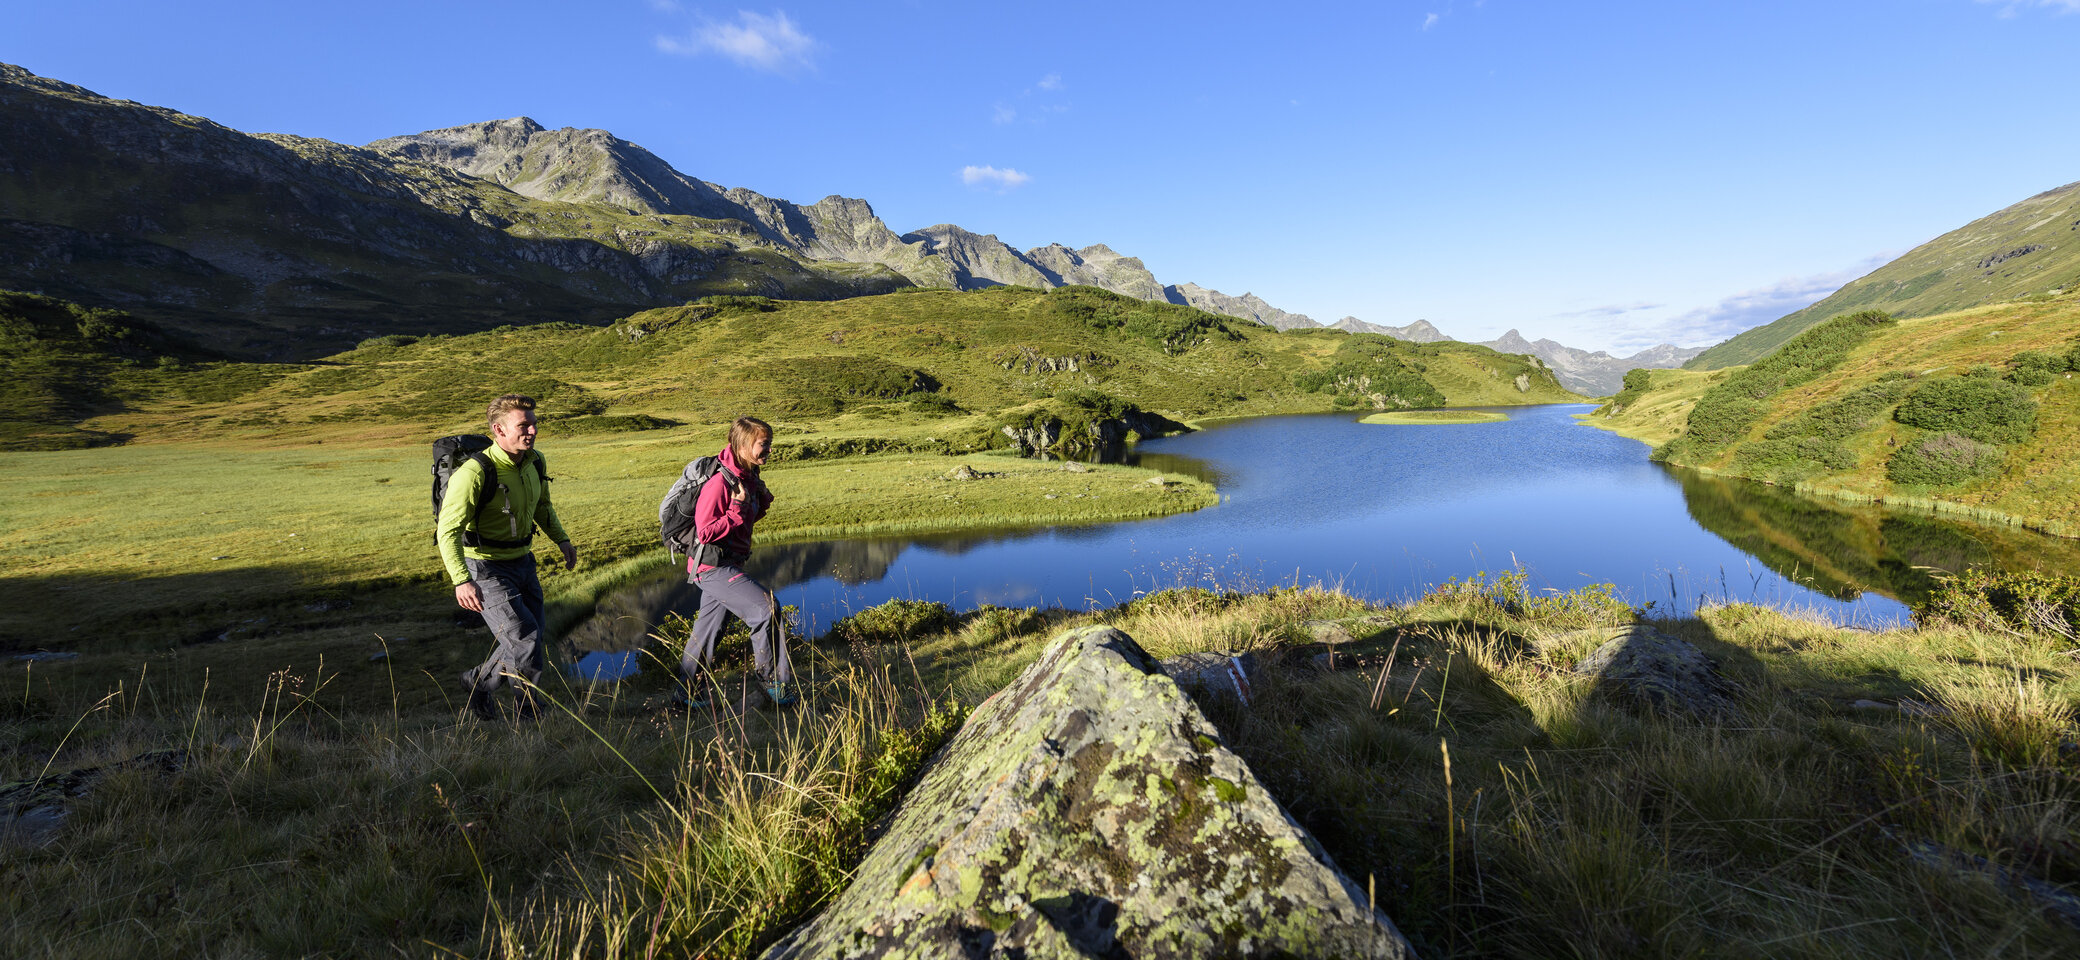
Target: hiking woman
{"x": 729, "y": 504}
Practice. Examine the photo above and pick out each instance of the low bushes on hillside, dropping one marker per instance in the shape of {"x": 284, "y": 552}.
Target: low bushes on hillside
{"x": 1816, "y": 439}
{"x": 2035, "y": 368}
{"x": 1943, "y": 459}
{"x": 812, "y": 385}
{"x": 1176, "y": 329}
{"x": 1976, "y": 406}
{"x": 1726, "y": 412}
{"x": 1368, "y": 367}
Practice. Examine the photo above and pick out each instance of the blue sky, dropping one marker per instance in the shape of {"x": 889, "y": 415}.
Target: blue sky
{"x": 1611, "y": 175}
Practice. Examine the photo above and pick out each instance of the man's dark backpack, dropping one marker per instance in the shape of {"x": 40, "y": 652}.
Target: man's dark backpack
{"x": 449, "y": 454}
{"x": 675, "y": 513}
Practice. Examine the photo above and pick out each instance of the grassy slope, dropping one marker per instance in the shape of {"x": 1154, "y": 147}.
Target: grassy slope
{"x": 2026, "y": 249}
{"x": 249, "y": 490}
{"x": 2038, "y": 483}
{"x": 1494, "y": 802}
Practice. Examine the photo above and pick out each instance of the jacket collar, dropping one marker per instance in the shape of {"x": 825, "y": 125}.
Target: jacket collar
{"x": 728, "y": 457}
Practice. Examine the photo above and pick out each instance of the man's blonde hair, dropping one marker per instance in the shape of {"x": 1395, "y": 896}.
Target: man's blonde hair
{"x": 745, "y": 432}
{"x": 507, "y": 404}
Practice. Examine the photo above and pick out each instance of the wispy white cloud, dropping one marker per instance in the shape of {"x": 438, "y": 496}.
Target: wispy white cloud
{"x": 1733, "y": 314}
{"x": 988, "y": 177}
{"x": 665, "y": 6}
{"x": 2010, "y": 7}
{"x": 771, "y": 43}
{"x": 1609, "y": 310}
{"x": 1430, "y": 20}
{"x": 1052, "y": 81}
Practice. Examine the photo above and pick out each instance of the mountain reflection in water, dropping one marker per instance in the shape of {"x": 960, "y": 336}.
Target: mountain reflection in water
{"x": 1386, "y": 513}
{"x": 1842, "y": 549}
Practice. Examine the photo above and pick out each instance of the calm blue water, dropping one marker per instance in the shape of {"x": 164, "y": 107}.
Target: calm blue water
{"x": 1385, "y": 512}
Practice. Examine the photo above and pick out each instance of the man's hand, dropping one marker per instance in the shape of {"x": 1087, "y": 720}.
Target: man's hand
{"x": 466, "y": 594}
{"x": 570, "y": 555}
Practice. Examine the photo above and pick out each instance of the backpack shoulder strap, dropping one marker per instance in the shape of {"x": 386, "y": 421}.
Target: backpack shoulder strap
{"x": 487, "y": 476}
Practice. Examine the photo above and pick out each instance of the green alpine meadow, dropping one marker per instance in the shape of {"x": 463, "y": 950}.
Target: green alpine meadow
{"x": 1423, "y": 649}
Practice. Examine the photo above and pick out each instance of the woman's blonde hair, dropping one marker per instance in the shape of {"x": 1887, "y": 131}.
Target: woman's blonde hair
{"x": 745, "y": 432}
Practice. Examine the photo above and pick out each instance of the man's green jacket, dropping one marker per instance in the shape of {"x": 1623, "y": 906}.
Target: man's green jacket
{"x": 529, "y": 499}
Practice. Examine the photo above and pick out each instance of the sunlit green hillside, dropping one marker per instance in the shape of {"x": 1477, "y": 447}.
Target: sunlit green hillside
{"x": 951, "y": 365}
{"x": 1975, "y": 412}
{"x": 2029, "y": 248}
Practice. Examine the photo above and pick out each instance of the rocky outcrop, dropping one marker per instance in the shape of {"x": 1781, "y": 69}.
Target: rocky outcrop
{"x": 1096, "y": 266}
{"x": 1089, "y": 810}
{"x": 1052, "y": 434}
{"x": 979, "y": 260}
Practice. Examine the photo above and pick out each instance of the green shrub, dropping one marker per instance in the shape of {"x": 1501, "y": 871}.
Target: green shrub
{"x": 1368, "y": 365}
{"x": 728, "y": 302}
{"x": 1982, "y": 408}
{"x": 1100, "y": 405}
{"x": 1814, "y": 440}
{"x": 893, "y": 622}
{"x": 1636, "y": 383}
{"x": 838, "y": 379}
{"x": 1175, "y": 329}
{"x": 934, "y": 404}
{"x": 1941, "y": 460}
{"x": 1726, "y": 411}
{"x": 1985, "y": 600}
{"x": 2033, "y": 368}
{"x": 387, "y": 340}
{"x": 624, "y": 423}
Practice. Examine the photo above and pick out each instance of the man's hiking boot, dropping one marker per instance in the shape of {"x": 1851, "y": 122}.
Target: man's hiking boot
{"x": 480, "y": 702}
{"x": 782, "y": 694}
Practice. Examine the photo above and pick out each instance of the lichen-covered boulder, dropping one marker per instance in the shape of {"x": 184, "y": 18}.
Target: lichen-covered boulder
{"x": 1088, "y": 810}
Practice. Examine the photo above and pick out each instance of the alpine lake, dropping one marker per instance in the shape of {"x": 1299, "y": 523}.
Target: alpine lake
{"x": 1387, "y": 512}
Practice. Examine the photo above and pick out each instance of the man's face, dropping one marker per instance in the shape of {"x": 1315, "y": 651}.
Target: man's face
{"x": 514, "y": 432}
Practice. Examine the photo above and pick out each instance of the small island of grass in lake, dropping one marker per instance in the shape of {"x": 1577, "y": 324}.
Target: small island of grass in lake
{"x": 1436, "y": 417}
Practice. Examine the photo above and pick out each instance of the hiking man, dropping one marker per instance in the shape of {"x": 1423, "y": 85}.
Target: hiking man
{"x": 486, "y": 531}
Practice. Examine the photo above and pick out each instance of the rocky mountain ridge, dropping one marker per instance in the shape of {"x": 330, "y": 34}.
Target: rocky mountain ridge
{"x": 274, "y": 246}
{"x": 1596, "y": 374}
{"x": 1420, "y": 331}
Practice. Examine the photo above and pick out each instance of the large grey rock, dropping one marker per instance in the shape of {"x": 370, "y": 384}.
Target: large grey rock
{"x": 1667, "y": 675}
{"x": 1087, "y": 810}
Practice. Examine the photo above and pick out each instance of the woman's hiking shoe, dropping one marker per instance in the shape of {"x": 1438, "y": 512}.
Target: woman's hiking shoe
{"x": 782, "y": 694}
{"x": 480, "y": 702}
{"x": 680, "y": 701}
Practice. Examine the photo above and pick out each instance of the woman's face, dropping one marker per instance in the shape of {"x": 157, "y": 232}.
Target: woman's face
{"x": 755, "y": 451}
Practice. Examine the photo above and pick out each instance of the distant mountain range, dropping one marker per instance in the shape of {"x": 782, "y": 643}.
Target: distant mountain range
{"x": 2029, "y": 248}
{"x": 274, "y": 246}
